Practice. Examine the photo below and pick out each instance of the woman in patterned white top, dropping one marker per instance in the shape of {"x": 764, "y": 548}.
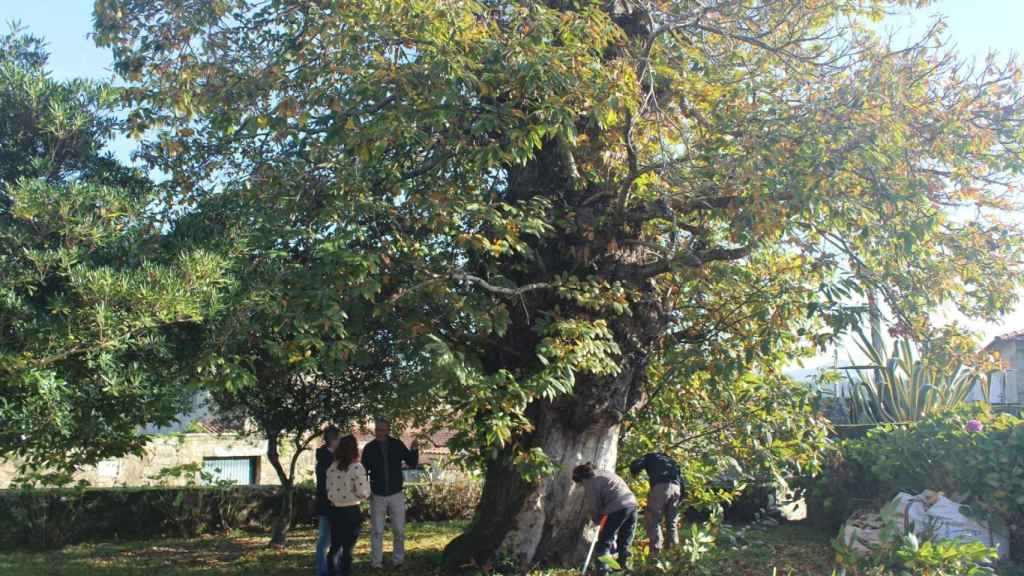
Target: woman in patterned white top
{"x": 347, "y": 487}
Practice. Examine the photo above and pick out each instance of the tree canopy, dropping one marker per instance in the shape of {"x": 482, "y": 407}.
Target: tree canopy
{"x": 292, "y": 347}
{"x": 91, "y": 303}
{"x": 561, "y": 196}
{"x": 551, "y": 223}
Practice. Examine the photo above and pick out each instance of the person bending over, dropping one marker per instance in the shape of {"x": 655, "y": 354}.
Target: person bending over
{"x": 609, "y": 496}
{"x": 663, "y": 500}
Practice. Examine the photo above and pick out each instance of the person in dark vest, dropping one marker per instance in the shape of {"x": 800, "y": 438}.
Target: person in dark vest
{"x": 324, "y": 458}
{"x": 666, "y": 493}
{"x": 608, "y": 495}
{"x": 383, "y": 457}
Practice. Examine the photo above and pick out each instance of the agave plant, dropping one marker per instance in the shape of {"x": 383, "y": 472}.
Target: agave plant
{"x": 901, "y": 386}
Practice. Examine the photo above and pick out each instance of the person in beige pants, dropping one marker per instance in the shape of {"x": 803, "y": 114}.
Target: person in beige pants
{"x": 664, "y": 497}
{"x": 383, "y": 458}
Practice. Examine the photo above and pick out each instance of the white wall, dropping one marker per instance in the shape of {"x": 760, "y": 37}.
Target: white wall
{"x": 1004, "y": 386}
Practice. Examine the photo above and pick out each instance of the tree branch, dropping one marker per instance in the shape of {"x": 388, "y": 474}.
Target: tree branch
{"x": 694, "y": 260}
{"x": 301, "y": 443}
{"x": 504, "y": 291}
{"x": 275, "y": 458}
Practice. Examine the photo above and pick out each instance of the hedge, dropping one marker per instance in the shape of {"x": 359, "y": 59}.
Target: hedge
{"x": 50, "y": 518}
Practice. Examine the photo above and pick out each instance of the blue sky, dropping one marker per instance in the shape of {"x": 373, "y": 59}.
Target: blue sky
{"x": 974, "y": 26}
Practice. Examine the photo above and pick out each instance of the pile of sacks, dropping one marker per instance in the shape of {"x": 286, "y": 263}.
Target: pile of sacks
{"x": 928, "y": 515}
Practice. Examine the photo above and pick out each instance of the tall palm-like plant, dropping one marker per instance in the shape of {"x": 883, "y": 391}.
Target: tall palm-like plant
{"x": 903, "y": 386}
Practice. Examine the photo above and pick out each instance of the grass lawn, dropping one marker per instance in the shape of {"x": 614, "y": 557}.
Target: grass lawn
{"x": 793, "y": 549}
{"x": 786, "y": 550}
{"x": 789, "y": 549}
{"x": 237, "y": 554}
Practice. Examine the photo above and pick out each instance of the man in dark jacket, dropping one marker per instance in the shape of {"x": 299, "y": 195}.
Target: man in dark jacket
{"x": 324, "y": 458}
{"x": 383, "y": 458}
{"x": 663, "y": 499}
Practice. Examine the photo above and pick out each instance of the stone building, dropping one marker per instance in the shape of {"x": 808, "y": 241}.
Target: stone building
{"x": 224, "y": 454}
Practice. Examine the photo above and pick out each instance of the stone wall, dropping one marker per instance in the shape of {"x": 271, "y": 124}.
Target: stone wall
{"x": 167, "y": 451}
{"x": 179, "y": 449}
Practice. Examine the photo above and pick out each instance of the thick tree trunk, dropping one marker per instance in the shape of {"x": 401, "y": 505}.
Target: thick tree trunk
{"x": 545, "y": 523}
{"x": 541, "y": 523}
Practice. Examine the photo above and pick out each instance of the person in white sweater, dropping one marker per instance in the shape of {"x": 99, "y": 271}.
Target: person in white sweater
{"x": 347, "y": 488}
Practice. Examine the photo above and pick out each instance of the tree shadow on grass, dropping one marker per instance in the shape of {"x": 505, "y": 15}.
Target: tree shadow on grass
{"x": 234, "y": 554}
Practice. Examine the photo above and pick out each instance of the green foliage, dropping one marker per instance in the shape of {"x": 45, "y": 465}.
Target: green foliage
{"x": 701, "y": 550}
{"x": 47, "y": 518}
{"x": 185, "y": 510}
{"x": 731, "y": 435}
{"x": 52, "y": 130}
{"x": 949, "y": 558}
{"x": 900, "y": 554}
{"x": 92, "y": 300}
{"x": 902, "y": 387}
{"x": 51, "y": 518}
{"x": 695, "y": 543}
{"x": 480, "y": 153}
{"x": 189, "y": 511}
{"x": 449, "y": 496}
{"x": 940, "y": 452}
{"x": 46, "y": 522}
{"x": 191, "y": 475}
{"x": 549, "y": 206}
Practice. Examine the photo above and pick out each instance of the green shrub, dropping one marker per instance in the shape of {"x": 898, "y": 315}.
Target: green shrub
{"x": 453, "y": 497}
{"x": 50, "y": 518}
{"x": 969, "y": 453}
{"x": 43, "y": 522}
{"x": 948, "y": 558}
{"x": 906, "y": 555}
{"x": 46, "y": 518}
{"x": 206, "y": 505}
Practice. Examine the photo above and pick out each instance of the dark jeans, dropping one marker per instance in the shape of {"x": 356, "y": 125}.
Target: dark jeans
{"x": 620, "y": 528}
{"x": 345, "y": 523}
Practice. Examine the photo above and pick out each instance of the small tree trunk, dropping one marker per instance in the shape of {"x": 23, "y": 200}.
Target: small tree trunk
{"x": 283, "y": 520}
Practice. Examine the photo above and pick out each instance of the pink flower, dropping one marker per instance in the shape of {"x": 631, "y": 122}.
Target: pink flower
{"x": 974, "y": 426}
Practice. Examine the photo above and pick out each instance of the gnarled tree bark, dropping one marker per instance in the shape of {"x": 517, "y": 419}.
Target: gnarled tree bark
{"x": 545, "y": 523}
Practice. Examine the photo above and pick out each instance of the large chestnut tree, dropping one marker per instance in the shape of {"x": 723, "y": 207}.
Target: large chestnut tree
{"x": 579, "y": 193}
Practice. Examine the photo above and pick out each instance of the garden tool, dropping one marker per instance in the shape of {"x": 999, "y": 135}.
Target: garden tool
{"x": 586, "y": 564}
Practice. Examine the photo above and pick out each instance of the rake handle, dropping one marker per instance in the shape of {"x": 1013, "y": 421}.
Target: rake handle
{"x": 600, "y": 527}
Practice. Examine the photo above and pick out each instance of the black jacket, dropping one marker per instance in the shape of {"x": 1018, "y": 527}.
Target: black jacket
{"x": 386, "y": 477}
{"x": 660, "y": 469}
{"x": 324, "y": 458}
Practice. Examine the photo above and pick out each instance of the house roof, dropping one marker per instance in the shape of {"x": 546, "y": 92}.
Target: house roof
{"x": 429, "y": 442}
{"x": 1009, "y": 336}
{"x": 432, "y": 445}
{"x": 213, "y": 427}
